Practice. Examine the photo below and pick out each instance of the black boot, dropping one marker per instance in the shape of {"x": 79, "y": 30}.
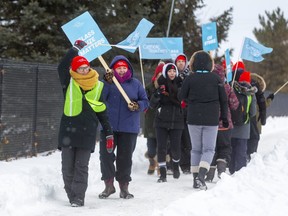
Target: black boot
{"x": 221, "y": 167}
{"x": 201, "y": 178}
{"x": 162, "y": 175}
{"x": 210, "y": 175}
{"x": 176, "y": 171}
{"x": 124, "y": 193}
{"x": 109, "y": 189}
{"x": 195, "y": 182}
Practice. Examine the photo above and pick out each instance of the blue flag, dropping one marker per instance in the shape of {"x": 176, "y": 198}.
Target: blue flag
{"x": 161, "y": 48}
{"x": 228, "y": 66}
{"x": 209, "y": 36}
{"x": 134, "y": 40}
{"x": 253, "y": 51}
{"x": 85, "y": 28}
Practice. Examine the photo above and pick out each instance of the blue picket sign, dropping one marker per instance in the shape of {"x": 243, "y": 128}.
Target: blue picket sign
{"x": 85, "y": 28}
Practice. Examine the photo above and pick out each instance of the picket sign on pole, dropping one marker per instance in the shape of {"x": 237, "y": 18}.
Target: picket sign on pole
{"x": 141, "y": 66}
{"x": 85, "y": 28}
{"x": 121, "y": 90}
{"x": 281, "y": 88}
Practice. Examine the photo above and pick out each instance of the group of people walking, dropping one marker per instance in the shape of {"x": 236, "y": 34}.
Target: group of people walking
{"x": 187, "y": 116}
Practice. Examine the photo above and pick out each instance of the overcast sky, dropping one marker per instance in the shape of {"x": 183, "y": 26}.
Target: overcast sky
{"x": 245, "y": 18}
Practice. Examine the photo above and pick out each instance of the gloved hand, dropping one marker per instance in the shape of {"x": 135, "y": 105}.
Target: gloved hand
{"x": 79, "y": 44}
{"x": 133, "y": 106}
{"x": 271, "y": 96}
{"x": 225, "y": 122}
{"x": 183, "y": 104}
{"x": 262, "y": 118}
{"x": 160, "y": 90}
{"x": 110, "y": 143}
{"x": 108, "y": 76}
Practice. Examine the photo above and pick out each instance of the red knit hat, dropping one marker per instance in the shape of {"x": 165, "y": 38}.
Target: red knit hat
{"x": 245, "y": 76}
{"x": 120, "y": 63}
{"x": 78, "y": 61}
{"x": 158, "y": 70}
{"x": 180, "y": 57}
{"x": 238, "y": 65}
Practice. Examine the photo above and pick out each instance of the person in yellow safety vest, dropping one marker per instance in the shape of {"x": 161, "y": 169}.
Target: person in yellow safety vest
{"x": 83, "y": 109}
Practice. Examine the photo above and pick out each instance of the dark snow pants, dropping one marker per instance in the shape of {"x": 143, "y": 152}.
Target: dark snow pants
{"x": 223, "y": 146}
{"x": 75, "y": 162}
{"x": 174, "y": 135}
{"x": 239, "y": 155}
{"x": 125, "y": 144}
{"x": 186, "y": 147}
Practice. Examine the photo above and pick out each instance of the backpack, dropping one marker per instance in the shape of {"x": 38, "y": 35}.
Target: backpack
{"x": 240, "y": 116}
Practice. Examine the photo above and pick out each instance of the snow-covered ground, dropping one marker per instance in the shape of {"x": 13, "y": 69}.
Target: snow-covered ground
{"x": 34, "y": 186}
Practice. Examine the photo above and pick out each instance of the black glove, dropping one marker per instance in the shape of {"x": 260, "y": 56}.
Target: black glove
{"x": 225, "y": 122}
{"x": 262, "y": 118}
{"x": 108, "y": 76}
{"x": 160, "y": 90}
{"x": 79, "y": 44}
{"x": 271, "y": 96}
{"x": 133, "y": 106}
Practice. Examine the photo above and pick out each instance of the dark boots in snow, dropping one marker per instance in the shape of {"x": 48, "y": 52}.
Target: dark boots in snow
{"x": 152, "y": 164}
{"x": 199, "y": 181}
{"x": 210, "y": 175}
{"x": 221, "y": 166}
{"x": 109, "y": 189}
{"x": 162, "y": 175}
{"x": 176, "y": 171}
{"x": 124, "y": 193}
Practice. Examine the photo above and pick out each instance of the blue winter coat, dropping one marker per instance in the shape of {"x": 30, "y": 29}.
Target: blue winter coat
{"x": 120, "y": 117}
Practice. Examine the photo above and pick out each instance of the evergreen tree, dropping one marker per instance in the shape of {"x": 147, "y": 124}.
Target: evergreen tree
{"x": 272, "y": 33}
{"x": 31, "y": 30}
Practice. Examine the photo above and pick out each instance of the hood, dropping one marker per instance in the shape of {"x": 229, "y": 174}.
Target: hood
{"x": 186, "y": 64}
{"x": 121, "y": 57}
{"x": 260, "y": 81}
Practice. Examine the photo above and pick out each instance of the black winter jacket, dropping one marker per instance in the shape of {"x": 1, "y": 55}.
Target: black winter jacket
{"x": 79, "y": 131}
{"x": 205, "y": 94}
{"x": 169, "y": 112}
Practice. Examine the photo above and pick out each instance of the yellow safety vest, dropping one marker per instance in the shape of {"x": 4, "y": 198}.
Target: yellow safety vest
{"x": 73, "y": 99}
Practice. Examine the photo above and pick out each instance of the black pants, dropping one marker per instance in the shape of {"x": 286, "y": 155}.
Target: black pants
{"x": 186, "y": 147}
{"x": 174, "y": 136}
{"x": 75, "y": 162}
{"x": 125, "y": 144}
{"x": 223, "y": 146}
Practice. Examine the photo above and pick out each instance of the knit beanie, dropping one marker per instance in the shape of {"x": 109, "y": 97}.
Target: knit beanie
{"x": 180, "y": 57}
{"x": 238, "y": 65}
{"x": 120, "y": 63}
{"x": 78, "y": 61}
{"x": 245, "y": 76}
{"x": 201, "y": 61}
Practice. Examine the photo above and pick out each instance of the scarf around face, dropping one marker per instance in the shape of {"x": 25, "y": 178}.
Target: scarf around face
{"x": 87, "y": 81}
{"x": 125, "y": 77}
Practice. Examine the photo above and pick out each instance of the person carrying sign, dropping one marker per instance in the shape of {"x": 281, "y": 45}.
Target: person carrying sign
{"x": 83, "y": 109}
{"x": 125, "y": 121}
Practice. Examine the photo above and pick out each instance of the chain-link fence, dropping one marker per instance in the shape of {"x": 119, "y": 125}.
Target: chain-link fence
{"x": 31, "y": 106}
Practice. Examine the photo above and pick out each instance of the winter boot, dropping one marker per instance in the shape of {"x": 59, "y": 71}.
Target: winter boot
{"x": 176, "y": 172}
{"x": 195, "y": 182}
{"x": 124, "y": 193}
{"x": 221, "y": 166}
{"x": 77, "y": 203}
{"x": 152, "y": 166}
{"x": 210, "y": 175}
{"x": 200, "y": 180}
{"x": 109, "y": 189}
{"x": 162, "y": 175}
